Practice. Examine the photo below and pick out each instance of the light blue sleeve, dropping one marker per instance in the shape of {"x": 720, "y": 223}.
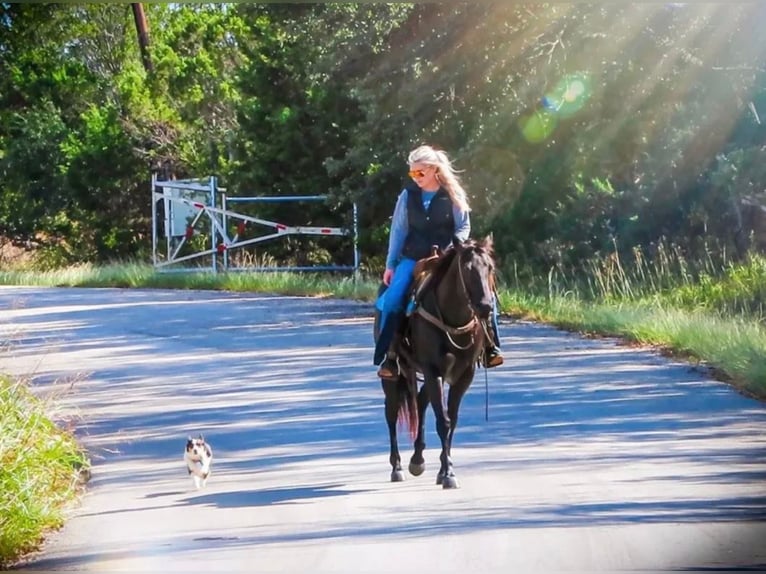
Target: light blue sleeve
{"x": 462, "y": 223}
{"x": 399, "y": 228}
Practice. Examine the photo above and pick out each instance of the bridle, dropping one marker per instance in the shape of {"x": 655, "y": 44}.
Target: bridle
{"x": 470, "y": 326}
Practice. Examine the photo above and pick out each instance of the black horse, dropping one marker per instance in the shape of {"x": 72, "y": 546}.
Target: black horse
{"x": 444, "y": 339}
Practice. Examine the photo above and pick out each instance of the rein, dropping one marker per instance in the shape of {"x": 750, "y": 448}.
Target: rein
{"x": 448, "y": 330}
{"x": 462, "y": 330}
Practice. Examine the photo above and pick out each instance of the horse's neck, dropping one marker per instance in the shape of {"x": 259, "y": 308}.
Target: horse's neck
{"x": 451, "y": 297}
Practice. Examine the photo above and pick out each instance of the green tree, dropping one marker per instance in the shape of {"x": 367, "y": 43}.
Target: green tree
{"x": 299, "y": 105}
{"x": 71, "y": 157}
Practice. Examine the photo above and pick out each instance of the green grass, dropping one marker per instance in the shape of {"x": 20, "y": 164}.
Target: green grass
{"x": 41, "y": 466}
{"x": 144, "y": 276}
{"x": 734, "y": 347}
{"x": 709, "y": 311}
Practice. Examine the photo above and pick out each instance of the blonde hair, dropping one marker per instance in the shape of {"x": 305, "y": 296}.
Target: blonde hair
{"x": 445, "y": 173}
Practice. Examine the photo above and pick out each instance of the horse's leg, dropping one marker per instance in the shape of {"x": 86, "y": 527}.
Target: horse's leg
{"x": 417, "y": 462}
{"x": 455, "y": 396}
{"x": 391, "y": 390}
{"x": 435, "y": 386}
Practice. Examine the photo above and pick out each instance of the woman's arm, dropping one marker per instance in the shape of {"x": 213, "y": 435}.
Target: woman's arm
{"x": 462, "y": 223}
{"x": 399, "y": 229}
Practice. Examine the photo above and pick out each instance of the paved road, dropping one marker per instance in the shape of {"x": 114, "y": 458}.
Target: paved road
{"x": 594, "y": 457}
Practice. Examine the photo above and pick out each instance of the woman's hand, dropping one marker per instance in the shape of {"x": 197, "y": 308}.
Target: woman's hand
{"x": 387, "y": 275}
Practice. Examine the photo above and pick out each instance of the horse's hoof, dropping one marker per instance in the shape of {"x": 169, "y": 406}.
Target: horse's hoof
{"x": 397, "y": 476}
{"x": 440, "y": 478}
{"x": 417, "y": 469}
{"x": 449, "y": 482}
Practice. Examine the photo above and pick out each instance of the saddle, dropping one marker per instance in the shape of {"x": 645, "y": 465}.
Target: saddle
{"x": 423, "y": 275}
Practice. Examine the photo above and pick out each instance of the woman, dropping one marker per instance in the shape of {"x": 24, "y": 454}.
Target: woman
{"x": 430, "y": 211}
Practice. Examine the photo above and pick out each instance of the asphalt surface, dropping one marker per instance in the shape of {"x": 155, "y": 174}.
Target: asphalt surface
{"x": 595, "y": 456}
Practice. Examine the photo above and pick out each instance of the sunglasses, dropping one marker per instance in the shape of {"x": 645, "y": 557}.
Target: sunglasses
{"x": 417, "y": 173}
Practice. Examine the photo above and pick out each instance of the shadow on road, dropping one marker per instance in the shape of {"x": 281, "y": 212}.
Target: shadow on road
{"x": 272, "y": 384}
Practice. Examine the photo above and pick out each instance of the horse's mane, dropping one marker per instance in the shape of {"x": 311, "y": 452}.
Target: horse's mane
{"x": 444, "y": 261}
{"x": 481, "y": 247}
{"x": 442, "y": 265}
{"x": 448, "y": 256}
{"x": 485, "y": 246}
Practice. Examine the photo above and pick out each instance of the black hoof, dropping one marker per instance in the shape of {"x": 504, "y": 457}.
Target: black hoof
{"x": 440, "y": 478}
{"x": 417, "y": 469}
{"x": 397, "y": 476}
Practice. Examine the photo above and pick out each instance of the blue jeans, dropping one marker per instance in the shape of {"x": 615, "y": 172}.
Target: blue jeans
{"x": 393, "y": 298}
{"x": 391, "y": 306}
{"x": 495, "y": 325}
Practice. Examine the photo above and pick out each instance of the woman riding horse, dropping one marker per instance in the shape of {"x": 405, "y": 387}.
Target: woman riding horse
{"x": 446, "y": 337}
{"x": 429, "y": 212}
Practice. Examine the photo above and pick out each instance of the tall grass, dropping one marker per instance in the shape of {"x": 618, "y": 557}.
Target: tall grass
{"x": 640, "y": 273}
{"x": 712, "y": 282}
{"x": 141, "y": 275}
{"x": 41, "y": 468}
{"x": 711, "y": 309}
{"x": 735, "y": 347}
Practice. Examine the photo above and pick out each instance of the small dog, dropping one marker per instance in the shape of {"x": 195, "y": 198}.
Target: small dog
{"x": 199, "y": 458}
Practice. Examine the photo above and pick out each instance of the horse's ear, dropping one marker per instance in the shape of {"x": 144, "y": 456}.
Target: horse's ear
{"x": 489, "y": 241}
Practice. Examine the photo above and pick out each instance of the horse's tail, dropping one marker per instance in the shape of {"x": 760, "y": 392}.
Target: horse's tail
{"x": 408, "y": 403}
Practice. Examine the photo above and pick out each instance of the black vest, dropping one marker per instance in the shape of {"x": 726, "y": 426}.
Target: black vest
{"x": 427, "y": 228}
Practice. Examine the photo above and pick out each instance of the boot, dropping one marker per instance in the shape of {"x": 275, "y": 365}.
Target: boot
{"x": 492, "y": 357}
{"x": 389, "y": 369}
{"x": 386, "y": 336}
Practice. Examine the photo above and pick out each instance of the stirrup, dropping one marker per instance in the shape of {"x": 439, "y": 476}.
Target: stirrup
{"x": 389, "y": 370}
{"x": 492, "y": 358}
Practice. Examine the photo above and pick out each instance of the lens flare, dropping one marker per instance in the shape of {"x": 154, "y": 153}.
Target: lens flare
{"x": 538, "y": 126}
{"x": 574, "y": 91}
{"x": 569, "y": 95}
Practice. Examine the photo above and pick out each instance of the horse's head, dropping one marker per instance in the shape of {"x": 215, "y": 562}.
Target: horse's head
{"x": 476, "y": 264}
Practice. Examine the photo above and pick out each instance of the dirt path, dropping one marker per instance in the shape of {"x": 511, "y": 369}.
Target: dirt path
{"x": 594, "y": 457}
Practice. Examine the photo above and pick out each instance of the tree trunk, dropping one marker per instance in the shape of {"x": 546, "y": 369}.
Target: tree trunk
{"x": 142, "y": 29}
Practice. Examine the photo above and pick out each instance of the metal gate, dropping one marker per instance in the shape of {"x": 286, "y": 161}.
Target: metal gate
{"x": 185, "y": 206}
